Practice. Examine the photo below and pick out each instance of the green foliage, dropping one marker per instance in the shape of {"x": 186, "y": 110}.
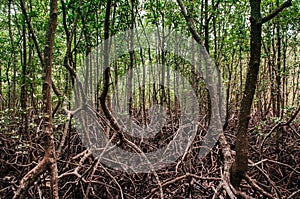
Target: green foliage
{"x": 228, "y": 28}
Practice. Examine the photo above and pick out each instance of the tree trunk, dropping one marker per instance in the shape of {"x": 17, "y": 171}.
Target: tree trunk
{"x": 1, "y": 97}
{"x": 49, "y": 160}
{"x": 23, "y": 93}
{"x": 106, "y": 74}
{"x": 278, "y": 81}
{"x": 47, "y": 97}
{"x": 240, "y": 165}
{"x": 11, "y": 101}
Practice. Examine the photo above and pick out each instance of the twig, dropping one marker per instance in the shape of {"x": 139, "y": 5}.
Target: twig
{"x": 276, "y": 162}
{"x": 278, "y": 195}
{"x": 218, "y": 191}
{"x": 66, "y": 129}
{"x": 258, "y": 188}
{"x": 31, "y": 177}
{"x": 114, "y": 179}
{"x": 293, "y": 194}
{"x": 169, "y": 182}
{"x": 151, "y": 166}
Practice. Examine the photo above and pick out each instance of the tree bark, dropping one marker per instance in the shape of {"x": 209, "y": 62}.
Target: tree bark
{"x": 240, "y": 166}
{"x": 49, "y": 160}
{"x": 47, "y": 97}
{"x": 106, "y": 77}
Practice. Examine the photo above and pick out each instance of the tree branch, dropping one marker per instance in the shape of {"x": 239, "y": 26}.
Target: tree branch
{"x": 258, "y": 188}
{"x": 189, "y": 21}
{"x": 30, "y": 178}
{"x": 33, "y": 36}
{"x": 276, "y": 11}
{"x": 36, "y": 44}
{"x": 292, "y": 117}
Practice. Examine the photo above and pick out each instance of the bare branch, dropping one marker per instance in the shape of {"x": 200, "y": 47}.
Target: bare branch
{"x": 258, "y": 188}
{"x": 292, "y": 117}
{"x": 30, "y": 178}
{"x": 189, "y": 21}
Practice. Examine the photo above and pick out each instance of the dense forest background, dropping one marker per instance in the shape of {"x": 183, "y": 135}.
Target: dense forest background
{"x": 45, "y": 45}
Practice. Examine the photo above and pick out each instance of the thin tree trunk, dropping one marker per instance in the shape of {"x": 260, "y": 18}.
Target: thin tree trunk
{"x": 206, "y": 27}
{"x": 23, "y": 94}
{"x": 49, "y": 160}
{"x": 13, "y": 97}
{"x": 240, "y": 165}
{"x": 1, "y": 97}
{"x": 47, "y": 97}
{"x": 278, "y": 80}
{"x": 132, "y": 59}
{"x": 106, "y": 75}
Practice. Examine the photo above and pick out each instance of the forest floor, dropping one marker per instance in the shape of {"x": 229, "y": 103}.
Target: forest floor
{"x": 274, "y": 165}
